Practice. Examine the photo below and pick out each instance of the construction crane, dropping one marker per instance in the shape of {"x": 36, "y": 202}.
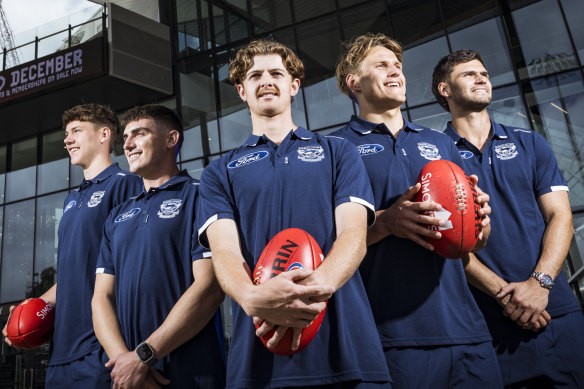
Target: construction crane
{"x": 7, "y": 42}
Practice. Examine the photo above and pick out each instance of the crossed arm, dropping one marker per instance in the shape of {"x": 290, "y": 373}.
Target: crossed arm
{"x": 189, "y": 315}
{"x": 295, "y": 298}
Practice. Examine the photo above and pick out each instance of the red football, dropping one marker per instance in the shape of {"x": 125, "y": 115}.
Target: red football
{"x": 31, "y": 323}
{"x": 445, "y": 183}
{"x": 290, "y": 249}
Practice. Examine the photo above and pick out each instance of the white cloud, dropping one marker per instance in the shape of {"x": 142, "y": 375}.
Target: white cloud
{"x": 24, "y": 15}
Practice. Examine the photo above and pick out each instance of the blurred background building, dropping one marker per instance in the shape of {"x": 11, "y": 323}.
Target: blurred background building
{"x": 175, "y": 53}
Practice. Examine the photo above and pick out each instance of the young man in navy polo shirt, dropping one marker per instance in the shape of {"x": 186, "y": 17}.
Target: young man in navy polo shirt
{"x": 156, "y": 296}
{"x": 285, "y": 176}
{"x": 77, "y": 358}
{"x": 520, "y": 268}
{"x": 425, "y": 314}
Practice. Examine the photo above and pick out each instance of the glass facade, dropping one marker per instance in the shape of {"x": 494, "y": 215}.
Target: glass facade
{"x": 534, "y": 51}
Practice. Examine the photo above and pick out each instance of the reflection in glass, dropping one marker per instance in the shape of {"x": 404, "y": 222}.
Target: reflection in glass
{"x": 573, "y": 10}
{"x": 577, "y": 247}
{"x": 415, "y": 21}
{"x": 194, "y": 168}
{"x": 270, "y": 15}
{"x": 307, "y": 9}
{"x": 53, "y": 146}
{"x": 493, "y": 50}
{"x": 20, "y": 184}
{"x": 235, "y": 129}
{"x": 318, "y": 47}
{"x": 559, "y": 100}
{"x": 366, "y": 18}
{"x": 24, "y": 154}
{"x": 418, "y": 65}
{"x": 17, "y": 251}
{"x": 326, "y": 104}
{"x": 49, "y": 212}
{"x": 507, "y": 108}
{"x": 76, "y": 175}
{"x": 544, "y": 40}
{"x": 53, "y": 176}
{"x": 431, "y": 116}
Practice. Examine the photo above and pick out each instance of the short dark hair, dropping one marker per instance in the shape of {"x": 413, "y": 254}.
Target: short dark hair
{"x": 444, "y": 68}
{"x": 98, "y": 114}
{"x": 161, "y": 114}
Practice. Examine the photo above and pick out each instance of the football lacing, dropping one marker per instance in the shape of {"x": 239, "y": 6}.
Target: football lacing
{"x": 460, "y": 197}
{"x": 258, "y": 275}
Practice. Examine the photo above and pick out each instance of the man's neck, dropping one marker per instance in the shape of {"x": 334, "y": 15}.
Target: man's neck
{"x": 160, "y": 177}
{"x": 392, "y": 118}
{"x": 98, "y": 165}
{"x": 474, "y": 126}
{"x": 275, "y": 128}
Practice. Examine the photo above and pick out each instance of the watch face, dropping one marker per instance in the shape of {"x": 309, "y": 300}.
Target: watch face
{"x": 547, "y": 280}
{"x": 144, "y": 352}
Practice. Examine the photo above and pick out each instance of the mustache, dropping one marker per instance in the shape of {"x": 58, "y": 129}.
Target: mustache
{"x": 262, "y": 91}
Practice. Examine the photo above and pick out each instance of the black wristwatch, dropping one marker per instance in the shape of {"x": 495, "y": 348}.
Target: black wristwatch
{"x": 145, "y": 354}
{"x": 545, "y": 280}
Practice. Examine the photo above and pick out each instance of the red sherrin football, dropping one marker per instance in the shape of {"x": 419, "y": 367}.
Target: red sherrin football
{"x": 290, "y": 249}
{"x": 31, "y": 323}
{"x": 445, "y": 183}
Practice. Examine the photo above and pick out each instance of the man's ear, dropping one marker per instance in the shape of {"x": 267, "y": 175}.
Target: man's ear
{"x": 353, "y": 83}
{"x": 173, "y": 137}
{"x": 295, "y": 87}
{"x": 241, "y": 92}
{"x": 105, "y": 134}
{"x": 444, "y": 89}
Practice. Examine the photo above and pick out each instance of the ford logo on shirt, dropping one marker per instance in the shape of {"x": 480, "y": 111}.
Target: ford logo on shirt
{"x": 247, "y": 159}
{"x": 369, "y": 149}
{"x": 127, "y": 215}
{"x": 465, "y": 154}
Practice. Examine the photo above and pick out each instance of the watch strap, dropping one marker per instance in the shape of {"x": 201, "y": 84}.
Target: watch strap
{"x": 545, "y": 280}
{"x": 146, "y": 354}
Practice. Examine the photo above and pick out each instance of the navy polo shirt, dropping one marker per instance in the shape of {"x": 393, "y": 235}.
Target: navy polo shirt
{"x": 80, "y": 230}
{"x": 418, "y": 298}
{"x": 515, "y": 169}
{"x": 266, "y": 188}
{"x": 149, "y": 246}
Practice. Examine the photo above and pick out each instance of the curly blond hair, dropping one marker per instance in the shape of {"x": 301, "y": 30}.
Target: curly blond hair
{"x": 243, "y": 60}
{"x": 356, "y": 51}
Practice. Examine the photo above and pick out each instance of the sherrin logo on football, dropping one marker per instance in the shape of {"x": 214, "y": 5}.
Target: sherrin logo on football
{"x": 247, "y": 159}
{"x": 45, "y": 311}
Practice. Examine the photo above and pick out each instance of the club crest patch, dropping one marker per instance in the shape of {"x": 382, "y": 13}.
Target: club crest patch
{"x": 247, "y": 159}
{"x": 465, "y": 154}
{"x": 127, "y": 215}
{"x": 169, "y": 208}
{"x": 95, "y": 199}
{"x": 310, "y": 153}
{"x": 369, "y": 149}
{"x": 429, "y": 151}
{"x": 506, "y": 151}
{"x": 70, "y": 205}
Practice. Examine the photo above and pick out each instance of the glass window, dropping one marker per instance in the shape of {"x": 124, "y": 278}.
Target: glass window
{"x": 576, "y": 253}
{"x": 493, "y": 50}
{"x": 76, "y": 175}
{"x": 544, "y": 39}
{"x": 48, "y": 214}
{"x": 20, "y": 184}
{"x": 194, "y": 168}
{"x": 298, "y": 111}
{"x": 50, "y": 44}
{"x": 573, "y": 10}
{"x": 17, "y": 251}
{"x": 121, "y": 160}
{"x": 53, "y": 176}
{"x": 270, "y": 15}
{"x": 457, "y": 12}
{"x": 319, "y": 48}
{"x": 326, "y": 104}
{"x": 559, "y": 100}
{"x": 413, "y": 21}
{"x": 369, "y": 17}
{"x": 53, "y": 146}
{"x": 235, "y": 129}
{"x": 307, "y": 9}
{"x": 507, "y": 107}
{"x": 2, "y": 172}
{"x": 24, "y": 154}
{"x": 431, "y": 116}
{"x": 418, "y": 64}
